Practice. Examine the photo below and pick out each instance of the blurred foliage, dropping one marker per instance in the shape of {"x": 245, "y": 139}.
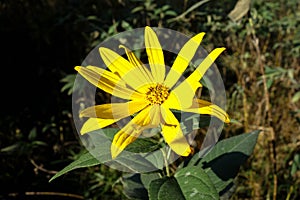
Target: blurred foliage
{"x": 43, "y": 40}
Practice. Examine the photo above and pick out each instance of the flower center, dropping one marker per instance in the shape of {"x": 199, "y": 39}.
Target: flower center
{"x": 157, "y": 94}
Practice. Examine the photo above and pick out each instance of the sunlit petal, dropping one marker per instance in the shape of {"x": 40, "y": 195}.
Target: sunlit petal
{"x": 155, "y": 55}
{"x": 204, "y": 65}
{"x": 185, "y": 91}
{"x": 183, "y": 59}
{"x": 108, "y": 82}
{"x": 173, "y": 135}
{"x": 138, "y": 63}
{"x": 93, "y": 124}
{"x": 183, "y": 95}
{"x": 131, "y": 74}
{"x": 113, "y": 110}
{"x": 111, "y": 76}
{"x": 147, "y": 118}
{"x": 204, "y": 107}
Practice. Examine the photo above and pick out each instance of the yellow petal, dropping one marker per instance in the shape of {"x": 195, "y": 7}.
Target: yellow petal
{"x": 173, "y": 135}
{"x": 204, "y": 107}
{"x": 183, "y": 59}
{"x": 138, "y": 63}
{"x": 113, "y": 110}
{"x": 93, "y": 124}
{"x": 108, "y": 82}
{"x": 204, "y": 65}
{"x": 185, "y": 92}
{"x": 183, "y": 95}
{"x": 155, "y": 55}
{"x": 147, "y": 118}
{"x": 132, "y": 75}
{"x": 111, "y": 76}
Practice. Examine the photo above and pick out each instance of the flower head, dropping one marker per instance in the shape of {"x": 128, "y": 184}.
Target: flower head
{"x": 150, "y": 93}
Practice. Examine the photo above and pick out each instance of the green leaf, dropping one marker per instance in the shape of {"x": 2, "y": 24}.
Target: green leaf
{"x": 86, "y": 160}
{"x": 296, "y": 164}
{"x": 143, "y": 146}
{"x": 157, "y": 159}
{"x": 165, "y": 188}
{"x": 195, "y": 184}
{"x": 147, "y": 178}
{"x": 32, "y": 134}
{"x": 154, "y": 187}
{"x": 243, "y": 143}
{"x": 222, "y": 163}
{"x": 170, "y": 190}
{"x": 100, "y": 154}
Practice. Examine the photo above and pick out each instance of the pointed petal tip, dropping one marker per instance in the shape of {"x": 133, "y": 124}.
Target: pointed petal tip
{"x": 187, "y": 152}
{"x": 148, "y": 30}
{"x": 227, "y": 120}
{"x": 122, "y": 46}
{"x": 77, "y": 68}
{"x": 222, "y": 48}
{"x": 103, "y": 49}
{"x": 115, "y": 151}
{"x": 200, "y": 35}
{"x": 83, "y": 132}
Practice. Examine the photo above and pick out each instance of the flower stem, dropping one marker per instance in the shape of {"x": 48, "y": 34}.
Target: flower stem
{"x": 166, "y": 162}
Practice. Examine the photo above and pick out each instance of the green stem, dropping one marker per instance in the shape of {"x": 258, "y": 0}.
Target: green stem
{"x": 166, "y": 162}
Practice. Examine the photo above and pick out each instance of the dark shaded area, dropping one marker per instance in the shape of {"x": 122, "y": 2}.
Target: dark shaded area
{"x": 226, "y": 167}
{"x": 133, "y": 187}
{"x": 41, "y": 42}
{"x": 38, "y": 49}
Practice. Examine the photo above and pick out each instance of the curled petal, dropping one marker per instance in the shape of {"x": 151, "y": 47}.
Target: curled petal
{"x": 204, "y": 107}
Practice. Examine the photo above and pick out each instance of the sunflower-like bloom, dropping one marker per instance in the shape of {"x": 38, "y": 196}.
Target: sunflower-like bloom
{"x": 150, "y": 94}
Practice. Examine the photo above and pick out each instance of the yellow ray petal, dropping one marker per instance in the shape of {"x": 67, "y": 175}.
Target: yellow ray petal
{"x": 204, "y": 107}
{"x": 108, "y": 82}
{"x": 173, "y": 134}
{"x": 204, "y": 65}
{"x": 147, "y": 118}
{"x": 155, "y": 55}
{"x": 113, "y": 110}
{"x": 138, "y": 63}
{"x": 93, "y": 124}
{"x": 183, "y": 95}
{"x": 183, "y": 59}
{"x": 132, "y": 75}
{"x": 113, "y": 77}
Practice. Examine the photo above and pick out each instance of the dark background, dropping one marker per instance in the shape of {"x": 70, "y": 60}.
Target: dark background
{"x": 41, "y": 42}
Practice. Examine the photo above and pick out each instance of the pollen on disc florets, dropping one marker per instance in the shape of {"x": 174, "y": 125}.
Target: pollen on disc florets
{"x": 157, "y": 94}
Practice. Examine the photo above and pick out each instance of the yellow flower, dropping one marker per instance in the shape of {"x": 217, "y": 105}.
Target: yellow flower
{"x": 150, "y": 93}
